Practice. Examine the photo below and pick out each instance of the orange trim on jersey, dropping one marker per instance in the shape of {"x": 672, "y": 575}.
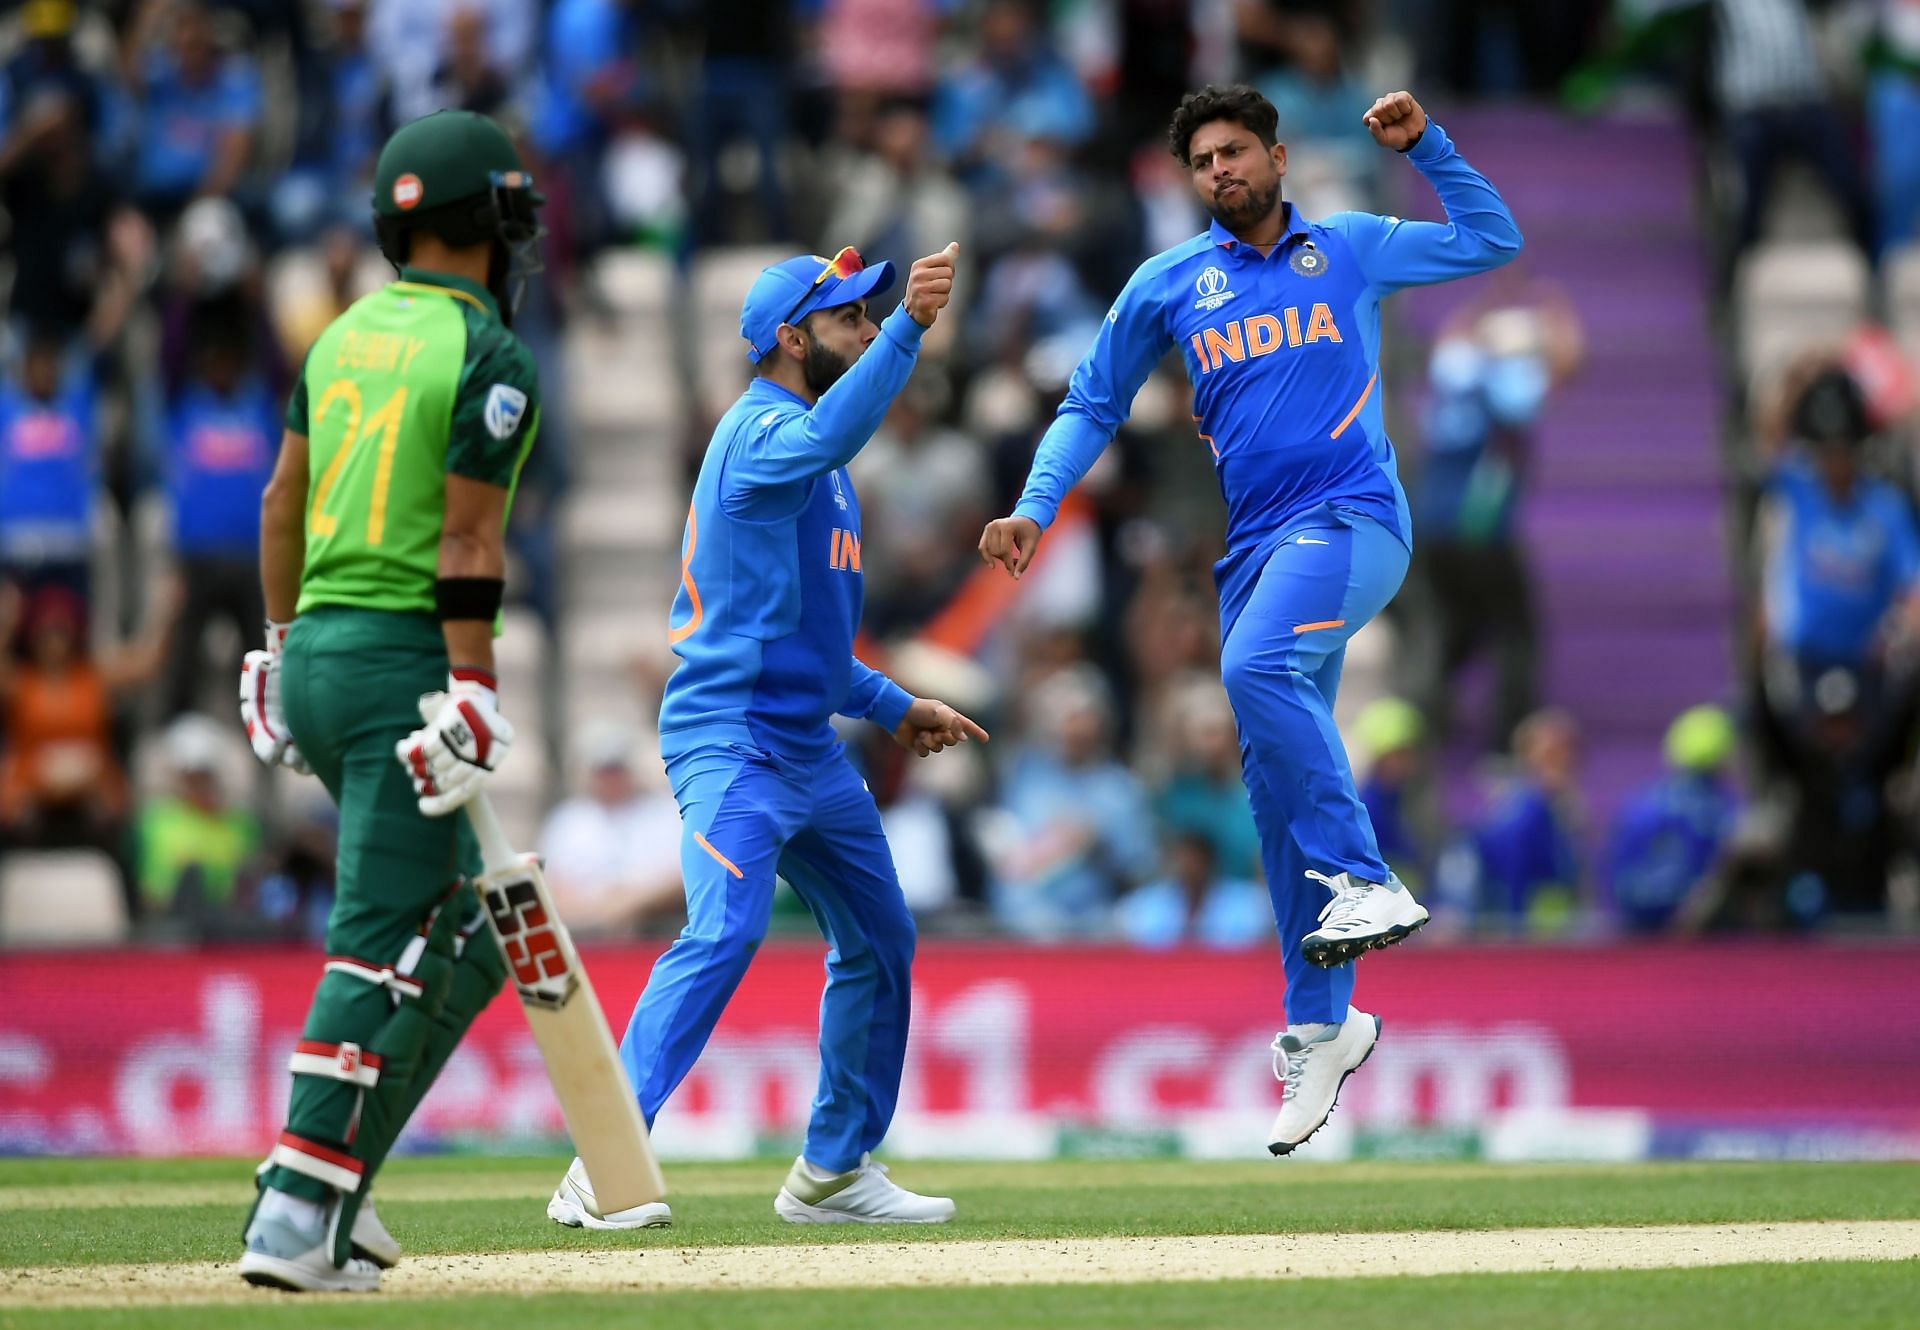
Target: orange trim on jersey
{"x": 1365, "y": 393}
{"x": 470, "y": 298}
{"x": 725, "y": 862}
{"x": 675, "y": 636}
{"x": 1206, "y": 438}
{"x": 1316, "y": 627}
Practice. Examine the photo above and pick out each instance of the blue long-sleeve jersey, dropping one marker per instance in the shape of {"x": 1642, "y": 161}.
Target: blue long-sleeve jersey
{"x": 770, "y": 581}
{"x": 1283, "y": 351}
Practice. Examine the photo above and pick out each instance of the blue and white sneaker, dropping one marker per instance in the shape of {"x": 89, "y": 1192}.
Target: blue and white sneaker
{"x": 1312, "y": 1062}
{"x": 290, "y": 1247}
{"x": 1362, "y": 916}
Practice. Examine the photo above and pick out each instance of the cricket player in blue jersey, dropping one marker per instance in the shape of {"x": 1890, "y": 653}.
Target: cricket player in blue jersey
{"x": 770, "y": 597}
{"x": 1277, "y": 318}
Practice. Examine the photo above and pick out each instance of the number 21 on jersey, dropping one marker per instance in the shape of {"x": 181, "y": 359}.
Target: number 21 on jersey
{"x": 384, "y": 424}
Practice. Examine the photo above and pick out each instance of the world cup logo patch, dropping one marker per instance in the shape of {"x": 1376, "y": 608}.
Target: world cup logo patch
{"x": 1211, "y": 285}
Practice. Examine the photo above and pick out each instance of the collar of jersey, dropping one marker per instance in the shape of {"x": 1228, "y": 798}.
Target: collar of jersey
{"x": 447, "y": 284}
{"x": 764, "y": 387}
{"x": 1296, "y": 228}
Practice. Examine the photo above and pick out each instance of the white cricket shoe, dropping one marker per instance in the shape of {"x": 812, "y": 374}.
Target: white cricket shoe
{"x": 285, "y": 1253}
{"x": 1312, "y": 1062}
{"x": 1362, "y": 916}
{"x": 574, "y": 1206}
{"x": 864, "y": 1195}
{"x": 371, "y": 1241}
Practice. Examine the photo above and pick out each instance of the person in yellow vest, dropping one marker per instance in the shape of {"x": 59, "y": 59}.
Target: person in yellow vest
{"x": 192, "y": 844}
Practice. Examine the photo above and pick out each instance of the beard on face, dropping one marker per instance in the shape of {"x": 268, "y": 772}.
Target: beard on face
{"x": 822, "y": 367}
{"x": 1248, "y": 206}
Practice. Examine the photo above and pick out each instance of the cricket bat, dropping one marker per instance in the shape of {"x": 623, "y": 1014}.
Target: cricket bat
{"x": 583, "y": 1063}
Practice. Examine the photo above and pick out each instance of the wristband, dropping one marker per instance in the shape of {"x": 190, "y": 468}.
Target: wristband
{"x": 468, "y": 598}
{"x": 276, "y": 636}
{"x": 477, "y": 675}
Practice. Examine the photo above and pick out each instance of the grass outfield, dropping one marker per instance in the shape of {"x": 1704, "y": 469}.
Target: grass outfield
{"x": 89, "y": 1212}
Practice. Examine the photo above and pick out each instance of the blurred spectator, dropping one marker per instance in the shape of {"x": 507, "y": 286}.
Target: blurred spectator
{"x": 1195, "y": 903}
{"x": 192, "y": 842}
{"x": 1668, "y": 839}
{"x": 925, "y": 806}
{"x": 1840, "y": 550}
{"x": 1839, "y": 615}
{"x": 1078, "y": 828}
{"x": 43, "y": 81}
{"x": 923, "y": 488}
{"x": 1397, "y": 791}
{"x": 1893, "y": 104}
{"x": 1331, "y": 158}
{"x": 1490, "y": 373}
{"x": 1032, "y": 301}
{"x": 77, "y": 252}
{"x": 589, "y": 84}
{"x": 1773, "y": 93}
{"x": 300, "y": 316}
{"x": 60, "y": 783}
{"x": 613, "y": 851}
{"x": 295, "y": 894}
{"x": 332, "y": 177}
{"x": 877, "y": 50}
{"x": 223, "y": 434}
{"x": 742, "y": 100}
{"x": 1528, "y": 870}
{"x": 1204, "y": 794}
{"x": 198, "y": 107}
{"x": 1768, "y": 88}
{"x": 410, "y": 40}
{"x": 895, "y": 202}
{"x": 49, "y": 471}
{"x": 1017, "y": 88}
{"x": 467, "y": 79}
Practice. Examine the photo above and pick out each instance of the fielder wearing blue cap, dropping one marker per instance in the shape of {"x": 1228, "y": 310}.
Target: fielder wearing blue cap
{"x": 1277, "y": 319}
{"x": 764, "y": 620}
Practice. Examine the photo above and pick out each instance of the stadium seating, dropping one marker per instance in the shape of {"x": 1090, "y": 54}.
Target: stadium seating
{"x": 60, "y": 898}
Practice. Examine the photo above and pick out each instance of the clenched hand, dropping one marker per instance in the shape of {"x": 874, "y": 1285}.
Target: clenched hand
{"x": 1396, "y": 121}
{"x": 930, "y": 285}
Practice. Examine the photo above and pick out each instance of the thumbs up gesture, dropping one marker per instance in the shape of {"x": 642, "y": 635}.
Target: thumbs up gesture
{"x": 930, "y": 285}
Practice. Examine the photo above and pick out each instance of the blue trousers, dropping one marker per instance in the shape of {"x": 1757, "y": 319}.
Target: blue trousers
{"x": 1287, "y": 610}
{"x": 746, "y": 816}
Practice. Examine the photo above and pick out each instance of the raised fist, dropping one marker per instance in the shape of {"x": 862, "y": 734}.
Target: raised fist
{"x": 1396, "y": 121}
{"x": 930, "y": 285}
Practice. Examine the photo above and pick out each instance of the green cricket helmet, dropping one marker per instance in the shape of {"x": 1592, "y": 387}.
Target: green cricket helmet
{"x": 458, "y": 175}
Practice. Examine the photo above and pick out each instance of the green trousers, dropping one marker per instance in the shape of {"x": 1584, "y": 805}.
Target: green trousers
{"x": 409, "y": 959}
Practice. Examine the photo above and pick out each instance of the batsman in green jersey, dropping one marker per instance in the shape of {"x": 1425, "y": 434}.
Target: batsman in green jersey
{"x": 382, "y": 551}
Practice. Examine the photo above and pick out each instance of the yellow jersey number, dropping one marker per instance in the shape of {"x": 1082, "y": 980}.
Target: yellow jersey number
{"x": 385, "y": 422}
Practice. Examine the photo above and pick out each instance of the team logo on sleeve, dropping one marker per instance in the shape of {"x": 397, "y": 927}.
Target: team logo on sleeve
{"x": 1308, "y": 261}
{"x": 505, "y": 405}
{"x": 1212, "y": 286}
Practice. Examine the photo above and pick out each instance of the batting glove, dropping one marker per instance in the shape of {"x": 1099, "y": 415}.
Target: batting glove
{"x": 260, "y": 705}
{"x": 465, "y": 742}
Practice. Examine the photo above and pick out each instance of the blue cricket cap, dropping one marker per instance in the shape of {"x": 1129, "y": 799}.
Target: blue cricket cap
{"x": 785, "y": 293}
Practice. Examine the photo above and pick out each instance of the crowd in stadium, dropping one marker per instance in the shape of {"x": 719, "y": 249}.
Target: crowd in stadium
{"x": 186, "y": 182}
